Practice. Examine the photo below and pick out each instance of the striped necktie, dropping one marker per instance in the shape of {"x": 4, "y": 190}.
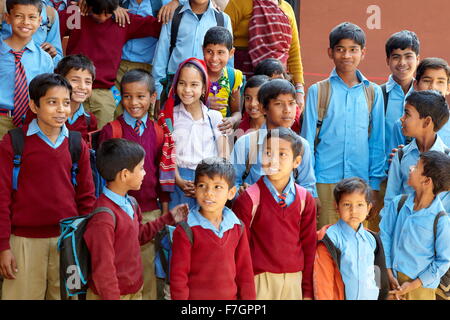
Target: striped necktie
{"x": 57, "y": 4}
{"x": 282, "y": 200}
{"x": 20, "y": 90}
{"x": 137, "y": 127}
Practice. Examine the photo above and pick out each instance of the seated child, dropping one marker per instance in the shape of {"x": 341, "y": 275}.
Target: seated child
{"x": 416, "y": 249}
{"x": 349, "y": 261}
{"x": 280, "y": 219}
{"x": 114, "y": 244}
{"x": 214, "y": 263}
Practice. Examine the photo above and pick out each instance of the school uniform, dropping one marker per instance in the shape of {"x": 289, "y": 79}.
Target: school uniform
{"x": 282, "y": 241}
{"x": 59, "y": 5}
{"x": 217, "y": 265}
{"x": 29, "y": 217}
{"x": 82, "y": 121}
{"x": 346, "y": 149}
{"x": 411, "y": 249}
{"x": 240, "y": 156}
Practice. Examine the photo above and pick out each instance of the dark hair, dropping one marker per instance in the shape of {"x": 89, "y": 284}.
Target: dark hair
{"x": 402, "y": 40}
{"x": 269, "y": 67}
{"x": 351, "y": 185}
{"x": 432, "y": 63}
{"x": 116, "y": 154}
{"x": 288, "y": 135}
{"x": 42, "y": 83}
{"x": 256, "y": 81}
{"x": 139, "y": 75}
{"x": 77, "y": 62}
{"x": 436, "y": 166}
{"x": 430, "y": 103}
{"x": 272, "y": 89}
{"x": 215, "y": 166}
{"x": 218, "y": 35}
{"x": 205, "y": 85}
{"x": 102, "y": 6}
{"x": 11, "y": 3}
{"x": 347, "y": 30}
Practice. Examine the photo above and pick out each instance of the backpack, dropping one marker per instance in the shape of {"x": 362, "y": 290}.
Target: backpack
{"x": 74, "y": 257}
{"x": 18, "y": 141}
{"x": 324, "y": 91}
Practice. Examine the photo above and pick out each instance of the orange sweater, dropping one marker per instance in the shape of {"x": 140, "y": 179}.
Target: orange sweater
{"x": 240, "y": 12}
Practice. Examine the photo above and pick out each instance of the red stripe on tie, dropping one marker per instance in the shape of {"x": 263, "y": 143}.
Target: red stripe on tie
{"x": 20, "y": 90}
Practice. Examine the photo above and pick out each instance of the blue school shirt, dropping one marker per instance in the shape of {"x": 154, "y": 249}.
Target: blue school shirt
{"x": 41, "y": 35}
{"x": 33, "y": 128}
{"x": 123, "y": 202}
{"x": 409, "y": 244}
{"x": 346, "y": 149}
{"x": 77, "y": 114}
{"x": 289, "y": 190}
{"x": 189, "y": 42}
{"x": 399, "y": 172}
{"x": 35, "y": 61}
{"x": 229, "y": 219}
{"x": 357, "y": 266}
{"x": 62, "y": 7}
{"x": 240, "y": 154}
{"x": 132, "y": 121}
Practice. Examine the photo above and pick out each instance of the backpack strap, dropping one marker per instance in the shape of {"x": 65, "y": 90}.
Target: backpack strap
{"x": 75, "y": 153}
{"x": 301, "y": 192}
{"x": 401, "y": 202}
{"x": 400, "y": 155}
{"x": 385, "y": 96}
{"x": 219, "y": 18}
{"x": 88, "y": 121}
{"x": 254, "y": 194}
{"x": 381, "y": 278}
{"x": 369, "y": 92}
{"x": 323, "y": 100}
{"x": 116, "y": 129}
{"x": 17, "y": 141}
{"x": 183, "y": 224}
{"x": 105, "y": 209}
{"x": 252, "y": 155}
{"x": 435, "y": 223}
{"x": 231, "y": 83}
{"x": 176, "y": 19}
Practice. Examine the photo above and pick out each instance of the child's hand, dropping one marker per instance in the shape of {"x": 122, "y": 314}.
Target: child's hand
{"x": 243, "y": 187}
{"x": 83, "y": 7}
{"x": 122, "y": 16}
{"x": 393, "y": 283}
{"x": 166, "y": 12}
{"x": 407, "y": 287}
{"x": 300, "y": 99}
{"x": 180, "y": 212}
{"x": 8, "y": 264}
{"x": 187, "y": 187}
{"x": 215, "y": 104}
{"x": 226, "y": 127}
{"x": 47, "y": 47}
{"x": 394, "y": 151}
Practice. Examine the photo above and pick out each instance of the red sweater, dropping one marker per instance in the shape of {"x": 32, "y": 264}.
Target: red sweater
{"x": 115, "y": 251}
{"x": 103, "y": 42}
{"x": 45, "y": 192}
{"x": 150, "y": 191}
{"x": 214, "y": 268}
{"x": 81, "y": 125}
{"x": 281, "y": 241}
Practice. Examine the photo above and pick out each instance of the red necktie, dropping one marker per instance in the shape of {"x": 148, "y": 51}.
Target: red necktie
{"x": 282, "y": 200}
{"x": 57, "y": 4}
{"x": 20, "y": 90}
{"x": 137, "y": 126}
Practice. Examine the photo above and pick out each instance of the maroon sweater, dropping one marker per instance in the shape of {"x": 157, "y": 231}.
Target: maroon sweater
{"x": 103, "y": 42}
{"x": 115, "y": 250}
{"x": 150, "y": 191}
{"x": 45, "y": 192}
{"x": 214, "y": 268}
{"x": 281, "y": 241}
{"x": 81, "y": 125}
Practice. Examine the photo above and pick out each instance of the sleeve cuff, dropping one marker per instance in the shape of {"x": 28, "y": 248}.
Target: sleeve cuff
{"x": 375, "y": 183}
{"x": 427, "y": 279}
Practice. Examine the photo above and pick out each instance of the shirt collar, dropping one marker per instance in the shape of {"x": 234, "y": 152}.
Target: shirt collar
{"x": 33, "y": 128}
{"x": 391, "y": 84}
{"x": 187, "y": 6}
{"x": 348, "y": 231}
{"x": 359, "y": 75}
{"x": 289, "y": 189}
{"x": 229, "y": 219}
{"x": 116, "y": 198}
{"x": 435, "y": 206}
{"x": 186, "y": 113}
{"x": 78, "y": 114}
{"x": 4, "y": 48}
{"x": 438, "y": 145}
{"x": 132, "y": 121}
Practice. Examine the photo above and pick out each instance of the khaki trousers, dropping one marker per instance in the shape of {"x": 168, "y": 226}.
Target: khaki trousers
{"x": 279, "y": 286}
{"x": 38, "y": 264}
{"x": 101, "y": 104}
{"x": 5, "y": 125}
{"x": 417, "y": 294}
{"x": 328, "y": 214}
{"x": 374, "y": 224}
{"x": 90, "y": 295}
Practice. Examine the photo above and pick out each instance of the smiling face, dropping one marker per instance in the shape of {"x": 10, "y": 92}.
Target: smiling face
{"x": 346, "y": 55}
{"x": 81, "y": 82}
{"x": 434, "y": 79}
{"x": 136, "y": 98}
{"x": 213, "y": 193}
{"x": 281, "y": 111}
{"x": 251, "y": 103}
{"x": 24, "y": 20}
{"x": 403, "y": 64}
{"x": 278, "y": 159}
{"x": 216, "y": 57}
{"x": 190, "y": 86}
{"x": 353, "y": 208}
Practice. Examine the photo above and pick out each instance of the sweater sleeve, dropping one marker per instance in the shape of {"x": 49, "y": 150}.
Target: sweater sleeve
{"x": 180, "y": 265}
{"x": 93, "y": 125}
{"x": 149, "y": 230}
{"x": 6, "y": 160}
{"x": 242, "y": 207}
{"x": 308, "y": 239}
{"x": 141, "y": 27}
{"x": 85, "y": 191}
{"x": 63, "y": 29}
{"x": 244, "y": 269}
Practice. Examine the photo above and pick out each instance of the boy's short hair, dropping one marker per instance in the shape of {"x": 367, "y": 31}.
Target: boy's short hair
{"x": 11, "y": 3}
{"x": 139, "y": 75}
{"x": 216, "y": 166}
{"x": 432, "y": 63}
{"x": 402, "y": 40}
{"x": 42, "y": 83}
{"x": 351, "y": 185}
{"x": 289, "y": 135}
{"x": 117, "y": 154}
{"x": 347, "y": 30}
{"x": 272, "y": 89}
{"x": 436, "y": 166}
{"x": 218, "y": 35}
{"x": 102, "y": 6}
{"x": 77, "y": 62}
{"x": 256, "y": 81}
{"x": 430, "y": 103}
{"x": 269, "y": 67}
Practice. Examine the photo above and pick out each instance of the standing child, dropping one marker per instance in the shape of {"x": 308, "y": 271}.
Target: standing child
{"x": 214, "y": 261}
{"x": 280, "y": 219}
{"x": 415, "y": 242}
{"x": 114, "y": 242}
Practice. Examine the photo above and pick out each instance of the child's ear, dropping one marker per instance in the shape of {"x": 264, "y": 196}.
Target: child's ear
{"x": 7, "y": 18}
{"x": 448, "y": 89}
{"x": 33, "y": 106}
{"x": 369, "y": 207}
{"x": 427, "y": 121}
{"x": 415, "y": 84}
{"x": 232, "y": 52}
{"x": 297, "y": 161}
{"x": 153, "y": 97}
{"x": 231, "y": 193}
{"x": 363, "y": 52}
{"x": 330, "y": 53}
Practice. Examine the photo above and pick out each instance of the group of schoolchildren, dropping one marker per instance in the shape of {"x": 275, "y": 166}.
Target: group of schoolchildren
{"x": 347, "y": 201}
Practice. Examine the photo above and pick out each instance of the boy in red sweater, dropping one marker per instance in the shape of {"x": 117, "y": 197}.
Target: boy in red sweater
{"x": 214, "y": 262}
{"x": 114, "y": 243}
{"x": 280, "y": 218}
{"x": 45, "y": 194}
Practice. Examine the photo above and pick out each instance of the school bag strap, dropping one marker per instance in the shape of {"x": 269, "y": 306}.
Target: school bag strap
{"x": 381, "y": 278}
{"x": 75, "y": 153}
{"x": 187, "y": 229}
{"x": 17, "y": 141}
{"x": 116, "y": 129}
{"x": 252, "y": 155}
{"x": 107, "y": 210}
{"x": 385, "y": 96}
{"x": 401, "y": 202}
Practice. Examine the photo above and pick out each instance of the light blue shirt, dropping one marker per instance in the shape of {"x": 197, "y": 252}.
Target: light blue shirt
{"x": 33, "y": 128}
{"x": 229, "y": 219}
{"x": 409, "y": 243}
{"x": 346, "y": 150}
{"x": 240, "y": 154}
{"x": 189, "y": 42}
{"x": 42, "y": 34}
{"x": 399, "y": 172}
{"x": 77, "y": 114}
{"x": 132, "y": 121}
{"x": 35, "y": 61}
{"x": 289, "y": 190}
{"x": 123, "y": 202}
{"x": 62, "y": 7}
{"x": 357, "y": 266}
